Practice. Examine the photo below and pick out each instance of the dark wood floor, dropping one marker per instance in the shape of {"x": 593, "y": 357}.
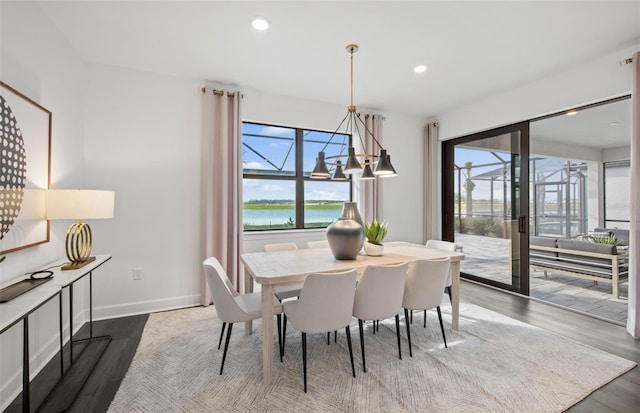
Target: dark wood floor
{"x": 621, "y": 395}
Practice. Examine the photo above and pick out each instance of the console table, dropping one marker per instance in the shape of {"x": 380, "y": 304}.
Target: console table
{"x": 19, "y": 309}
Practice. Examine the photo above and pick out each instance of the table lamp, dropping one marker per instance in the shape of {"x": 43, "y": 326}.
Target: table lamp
{"x": 79, "y": 204}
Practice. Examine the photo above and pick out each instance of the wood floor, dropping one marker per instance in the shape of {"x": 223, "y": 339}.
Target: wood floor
{"x": 621, "y": 395}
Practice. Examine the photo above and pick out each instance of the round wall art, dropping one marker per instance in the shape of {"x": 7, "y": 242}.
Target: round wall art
{"x": 13, "y": 167}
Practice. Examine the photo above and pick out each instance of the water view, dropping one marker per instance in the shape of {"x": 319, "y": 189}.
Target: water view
{"x": 269, "y": 216}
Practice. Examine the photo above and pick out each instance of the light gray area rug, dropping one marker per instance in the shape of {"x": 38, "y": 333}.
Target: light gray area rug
{"x": 493, "y": 364}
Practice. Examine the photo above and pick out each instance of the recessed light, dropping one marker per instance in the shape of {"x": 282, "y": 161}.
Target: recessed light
{"x": 420, "y": 68}
{"x": 260, "y": 23}
{"x": 572, "y": 112}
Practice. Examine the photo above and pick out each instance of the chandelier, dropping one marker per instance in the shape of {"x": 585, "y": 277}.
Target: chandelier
{"x": 362, "y": 163}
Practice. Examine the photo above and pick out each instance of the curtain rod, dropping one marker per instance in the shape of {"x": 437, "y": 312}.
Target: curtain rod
{"x": 221, "y": 93}
{"x": 626, "y": 61}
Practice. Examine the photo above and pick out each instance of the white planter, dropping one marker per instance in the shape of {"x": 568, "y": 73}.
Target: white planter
{"x": 373, "y": 249}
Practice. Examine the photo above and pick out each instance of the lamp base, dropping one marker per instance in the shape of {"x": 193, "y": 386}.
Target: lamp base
{"x": 74, "y": 265}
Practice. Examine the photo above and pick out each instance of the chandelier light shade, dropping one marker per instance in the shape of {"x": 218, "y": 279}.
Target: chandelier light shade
{"x": 352, "y": 165}
{"x": 339, "y": 175}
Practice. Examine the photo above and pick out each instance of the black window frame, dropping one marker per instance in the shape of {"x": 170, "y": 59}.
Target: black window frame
{"x": 298, "y": 177}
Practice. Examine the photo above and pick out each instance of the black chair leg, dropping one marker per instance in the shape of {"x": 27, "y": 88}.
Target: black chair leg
{"x": 408, "y": 331}
{"x": 328, "y": 337}
{"x": 353, "y": 366}
{"x": 335, "y": 336}
{"x": 424, "y": 325}
{"x": 284, "y": 332}
{"x": 221, "y": 334}
{"x": 398, "y": 335}
{"x": 448, "y": 291}
{"x": 411, "y": 315}
{"x": 226, "y": 346}
{"x": 304, "y": 360}
{"x": 442, "y": 326}
{"x": 279, "y": 321}
{"x": 374, "y": 326}
{"x": 364, "y": 364}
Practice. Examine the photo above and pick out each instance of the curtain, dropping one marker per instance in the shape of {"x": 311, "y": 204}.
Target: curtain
{"x": 431, "y": 199}
{"x": 222, "y": 180}
{"x": 633, "y": 316}
{"x": 370, "y": 192}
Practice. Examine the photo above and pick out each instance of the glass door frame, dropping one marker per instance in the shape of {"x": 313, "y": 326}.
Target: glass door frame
{"x": 448, "y": 199}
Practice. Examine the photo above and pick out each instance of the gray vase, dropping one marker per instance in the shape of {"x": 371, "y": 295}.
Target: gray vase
{"x": 345, "y": 238}
{"x": 350, "y": 210}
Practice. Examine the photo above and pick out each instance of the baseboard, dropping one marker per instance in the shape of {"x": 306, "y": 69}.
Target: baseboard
{"x": 145, "y": 307}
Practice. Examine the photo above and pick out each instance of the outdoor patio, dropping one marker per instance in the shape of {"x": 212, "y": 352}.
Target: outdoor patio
{"x": 489, "y": 257}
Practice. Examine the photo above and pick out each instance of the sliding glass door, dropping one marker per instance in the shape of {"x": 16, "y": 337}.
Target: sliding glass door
{"x": 485, "y": 204}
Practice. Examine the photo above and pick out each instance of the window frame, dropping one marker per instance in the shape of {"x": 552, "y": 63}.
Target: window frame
{"x": 298, "y": 177}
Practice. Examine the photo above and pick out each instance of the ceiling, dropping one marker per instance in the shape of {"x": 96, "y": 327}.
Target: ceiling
{"x": 474, "y": 49}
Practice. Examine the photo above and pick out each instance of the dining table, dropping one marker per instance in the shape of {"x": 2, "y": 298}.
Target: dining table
{"x": 272, "y": 269}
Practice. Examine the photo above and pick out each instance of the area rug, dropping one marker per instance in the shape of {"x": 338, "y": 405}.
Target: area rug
{"x": 493, "y": 364}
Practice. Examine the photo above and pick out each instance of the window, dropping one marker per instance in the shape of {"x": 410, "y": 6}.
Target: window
{"x": 277, "y": 190}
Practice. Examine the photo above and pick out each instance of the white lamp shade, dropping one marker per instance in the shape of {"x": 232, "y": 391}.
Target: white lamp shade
{"x": 79, "y": 204}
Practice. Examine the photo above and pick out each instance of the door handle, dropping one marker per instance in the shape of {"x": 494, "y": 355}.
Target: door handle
{"x": 522, "y": 225}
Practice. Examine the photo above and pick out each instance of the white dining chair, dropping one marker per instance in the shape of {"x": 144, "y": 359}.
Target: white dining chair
{"x": 423, "y": 290}
{"x": 231, "y": 306}
{"x": 318, "y": 244}
{"x": 325, "y": 305}
{"x": 284, "y": 291}
{"x": 447, "y": 246}
{"x": 379, "y": 296}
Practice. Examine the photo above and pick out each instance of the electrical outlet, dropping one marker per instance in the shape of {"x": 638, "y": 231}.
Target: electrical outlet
{"x": 137, "y": 273}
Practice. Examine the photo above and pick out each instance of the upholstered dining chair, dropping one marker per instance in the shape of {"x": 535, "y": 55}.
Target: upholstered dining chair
{"x": 447, "y": 246}
{"x": 423, "y": 290}
{"x": 325, "y": 304}
{"x": 379, "y": 296}
{"x": 318, "y": 244}
{"x": 231, "y": 306}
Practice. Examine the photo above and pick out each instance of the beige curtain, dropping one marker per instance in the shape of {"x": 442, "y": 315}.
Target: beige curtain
{"x": 222, "y": 180}
{"x": 370, "y": 192}
{"x": 633, "y": 316}
{"x": 431, "y": 198}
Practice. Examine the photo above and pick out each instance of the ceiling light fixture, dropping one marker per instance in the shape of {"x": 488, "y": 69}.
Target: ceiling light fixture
{"x": 572, "y": 112}
{"x": 260, "y": 23}
{"x": 420, "y": 68}
{"x": 382, "y": 161}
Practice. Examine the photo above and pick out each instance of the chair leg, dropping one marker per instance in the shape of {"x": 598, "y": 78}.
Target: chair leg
{"x": 364, "y": 364}
{"x": 406, "y": 318}
{"x": 328, "y": 337}
{"x": 411, "y": 316}
{"x": 284, "y": 332}
{"x": 279, "y": 321}
{"x": 398, "y": 335}
{"x": 374, "y": 326}
{"x": 335, "y": 336}
{"x": 226, "y": 345}
{"x": 353, "y": 366}
{"x": 221, "y": 334}
{"x": 304, "y": 360}
{"x": 442, "y": 326}
{"x": 447, "y": 289}
{"x": 424, "y": 325}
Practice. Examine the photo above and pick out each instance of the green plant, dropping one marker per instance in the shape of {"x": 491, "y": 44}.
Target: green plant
{"x": 375, "y": 231}
{"x": 605, "y": 239}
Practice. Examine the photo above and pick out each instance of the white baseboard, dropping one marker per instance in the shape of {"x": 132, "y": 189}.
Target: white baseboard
{"x": 145, "y": 307}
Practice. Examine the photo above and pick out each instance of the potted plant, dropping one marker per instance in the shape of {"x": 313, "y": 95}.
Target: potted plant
{"x": 375, "y": 232}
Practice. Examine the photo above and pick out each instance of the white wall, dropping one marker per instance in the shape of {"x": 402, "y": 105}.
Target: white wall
{"x": 590, "y": 82}
{"x": 39, "y": 63}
